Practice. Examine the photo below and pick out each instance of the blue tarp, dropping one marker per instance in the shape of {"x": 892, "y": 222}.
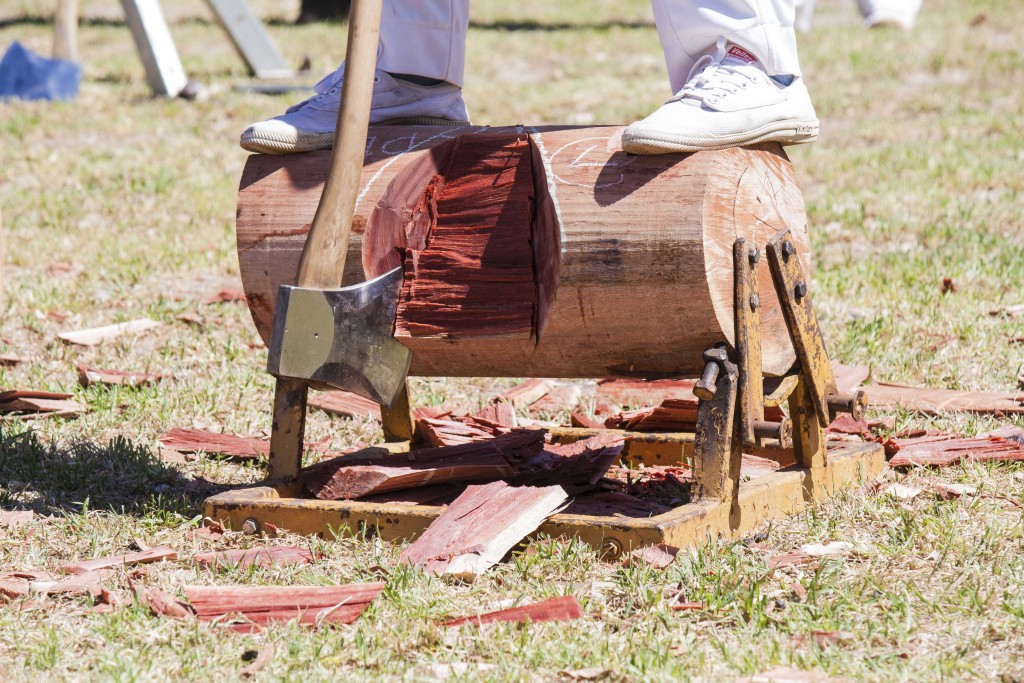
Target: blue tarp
{"x": 28, "y": 76}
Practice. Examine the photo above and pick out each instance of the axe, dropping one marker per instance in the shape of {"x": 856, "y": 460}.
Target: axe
{"x": 325, "y": 334}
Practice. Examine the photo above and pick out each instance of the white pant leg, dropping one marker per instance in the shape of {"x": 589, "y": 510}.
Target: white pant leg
{"x": 425, "y": 38}
{"x": 690, "y": 29}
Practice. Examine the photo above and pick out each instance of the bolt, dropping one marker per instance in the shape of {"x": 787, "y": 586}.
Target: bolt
{"x": 250, "y": 527}
{"x": 800, "y": 290}
{"x": 611, "y": 549}
{"x": 755, "y": 301}
{"x": 787, "y": 249}
{"x": 755, "y": 255}
{"x": 707, "y": 385}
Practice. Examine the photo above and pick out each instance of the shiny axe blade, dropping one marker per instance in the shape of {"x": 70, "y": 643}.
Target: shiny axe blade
{"x": 341, "y": 337}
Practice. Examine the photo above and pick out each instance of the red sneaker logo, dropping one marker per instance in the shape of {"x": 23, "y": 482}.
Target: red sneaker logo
{"x": 739, "y": 53}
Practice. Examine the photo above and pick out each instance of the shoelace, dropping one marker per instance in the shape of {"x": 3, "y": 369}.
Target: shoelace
{"x": 716, "y": 80}
{"x": 711, "y": 79}
{"x": 328, "y": 86}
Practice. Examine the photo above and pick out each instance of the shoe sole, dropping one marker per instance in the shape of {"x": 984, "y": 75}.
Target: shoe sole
{"x": 784, "y": 132}
{"x": 268, "y": 143}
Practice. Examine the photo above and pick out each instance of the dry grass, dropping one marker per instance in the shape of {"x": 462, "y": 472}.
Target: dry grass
{"x": 916, "y": 177}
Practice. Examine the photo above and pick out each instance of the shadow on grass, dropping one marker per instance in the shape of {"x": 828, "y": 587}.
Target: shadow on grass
{"x": 120, "y": 475}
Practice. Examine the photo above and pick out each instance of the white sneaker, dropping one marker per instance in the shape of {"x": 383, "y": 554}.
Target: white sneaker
{"x": 899, "y": 13}
{"x": 728, "y": 101}
{"x": 310, "y": 125}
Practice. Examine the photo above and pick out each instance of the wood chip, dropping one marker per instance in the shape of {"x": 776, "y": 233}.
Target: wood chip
{"x": 523, "y": 395}
{"x": 481, "y": 526}
{"x": 158, "y": 554}
{"x": 80, "y": 584}
{"x": 224, "y": 296}
{"x": 224, "y": 445}
{"x": 163, "y": 604}
{"x": 564, "y": 608}
{"x": 11, "y": 359}
{"x": 849, "y": 377}
{"x": 561, "y": 397}
{"x": 940, "y": 401}
{"x": 209, "y": 531}
{"x": 279, "y": 556}
{"x": 946, "y": 450}
{"x": 249, "y": 608}
{"x": 591, "y": 673}
{"x": 500, "y": 413}
{"x": 902, "y": 491}
{"x": 344, "y": 404}
{"x": 11, "y": 519}
{"x": 98, "y": 335}
{"x": 658, "y": 556}
{"x": 636, "y": 393}
{"x": 116, "y": 378}
{"x": 30, "y": 403}
{"x": 690, "y": 606}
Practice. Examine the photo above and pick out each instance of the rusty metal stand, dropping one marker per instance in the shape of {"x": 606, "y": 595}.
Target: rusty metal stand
{"x": 733, "y": 395}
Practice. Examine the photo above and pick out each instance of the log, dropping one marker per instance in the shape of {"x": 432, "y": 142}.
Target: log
{"x": 542, "y": 252}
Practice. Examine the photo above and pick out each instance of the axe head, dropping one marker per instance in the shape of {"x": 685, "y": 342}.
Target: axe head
{"x": 341, "y": 337}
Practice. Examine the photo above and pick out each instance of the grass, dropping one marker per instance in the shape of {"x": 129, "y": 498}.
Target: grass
{"x": 916, "y": 178}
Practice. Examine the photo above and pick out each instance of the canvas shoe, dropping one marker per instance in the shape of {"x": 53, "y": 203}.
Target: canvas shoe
{"x": 728, "y": 100}
{"x": 310, "y": 125}
{"x": 899, "y": 13}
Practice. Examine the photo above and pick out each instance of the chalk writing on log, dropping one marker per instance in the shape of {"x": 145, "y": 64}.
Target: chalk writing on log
{"x": 580, "y": 168}
{"x": 391, "y": 149}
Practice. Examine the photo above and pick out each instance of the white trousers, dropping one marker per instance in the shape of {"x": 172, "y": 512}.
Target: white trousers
{"x": 428, "y": 37}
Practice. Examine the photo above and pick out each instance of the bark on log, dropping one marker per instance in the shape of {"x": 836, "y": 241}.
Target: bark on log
{"x": 629, "y": 267}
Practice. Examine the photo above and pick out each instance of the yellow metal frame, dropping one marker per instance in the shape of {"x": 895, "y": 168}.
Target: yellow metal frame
{"x": 761, "y": 499}
{"x": 730, "y": 420}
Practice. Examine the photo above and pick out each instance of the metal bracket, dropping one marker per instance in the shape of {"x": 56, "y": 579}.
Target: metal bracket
{"x": 753, "y": 428}
{"x": 795, "y": 300}
{"x": 717, "y": 451}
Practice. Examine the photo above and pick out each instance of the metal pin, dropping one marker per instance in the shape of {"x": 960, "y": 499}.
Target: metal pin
{"x": 800, "y": 290}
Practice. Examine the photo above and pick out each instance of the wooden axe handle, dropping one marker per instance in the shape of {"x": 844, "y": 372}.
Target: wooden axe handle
{"x": 323, "y": 257}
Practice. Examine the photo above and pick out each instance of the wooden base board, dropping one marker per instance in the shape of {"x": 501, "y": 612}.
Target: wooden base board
{"x": 764, "y": 498}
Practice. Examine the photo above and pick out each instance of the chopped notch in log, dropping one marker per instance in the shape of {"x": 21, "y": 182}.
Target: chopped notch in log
{"x": 463, "y": 224}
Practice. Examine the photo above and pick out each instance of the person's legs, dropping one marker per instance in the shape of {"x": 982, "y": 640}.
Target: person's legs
{"x": 418, "y": 81}
{"x": 899, "y": 13}
{"x": 734, "y": 66}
